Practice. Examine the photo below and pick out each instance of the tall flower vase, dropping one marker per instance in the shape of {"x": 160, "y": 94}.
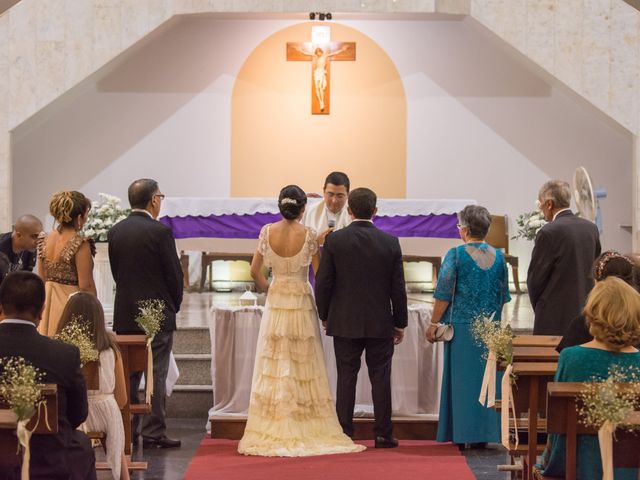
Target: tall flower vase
{"x": 105, "y": 285}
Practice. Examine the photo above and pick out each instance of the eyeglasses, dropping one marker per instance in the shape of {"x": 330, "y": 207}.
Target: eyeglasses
{"x": 161, "y": 195}
{"x": 459, "y": 226}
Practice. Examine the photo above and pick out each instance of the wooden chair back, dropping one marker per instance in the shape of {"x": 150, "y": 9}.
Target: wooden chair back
{"x": 498, "y": 236}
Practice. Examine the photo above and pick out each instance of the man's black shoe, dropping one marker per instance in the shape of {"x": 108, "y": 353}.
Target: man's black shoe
{"x": 162, "y": 442}
{"x": 386, "y": 442}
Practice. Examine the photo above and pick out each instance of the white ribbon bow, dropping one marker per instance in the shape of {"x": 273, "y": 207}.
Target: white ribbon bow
{"x": 488, "y": 389}
{"x": 507, "y": 402}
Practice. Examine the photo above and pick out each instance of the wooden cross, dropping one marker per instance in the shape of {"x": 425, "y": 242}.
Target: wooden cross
{"x": 321, "y": 57}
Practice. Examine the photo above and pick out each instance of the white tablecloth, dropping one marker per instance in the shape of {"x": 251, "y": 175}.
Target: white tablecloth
{"x": 206, "y": 206}
{"x": 415, "y": 377}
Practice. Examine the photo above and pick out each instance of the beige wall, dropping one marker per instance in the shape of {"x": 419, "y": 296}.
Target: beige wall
{"x": 276, "y": 141}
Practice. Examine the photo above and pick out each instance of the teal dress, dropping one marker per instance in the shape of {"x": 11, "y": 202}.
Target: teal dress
{"x": 583, "y": 364}
{"x": 474, "y": 280}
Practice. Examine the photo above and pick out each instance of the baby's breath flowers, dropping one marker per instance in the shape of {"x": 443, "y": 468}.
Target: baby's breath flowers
{"x": 151, "y": 316}
{"x": 603, "y": 402}
{"x": 76, "y": 333}
{"x": 20, "y": 386}
{"x": 494, "y": 337}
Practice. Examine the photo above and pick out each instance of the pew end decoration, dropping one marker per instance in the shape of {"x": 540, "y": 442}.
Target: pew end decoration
{"x": 76, "y": 333}
{"x": 497, "y": 341}
{"x": 610, "y": 405}
{"x": 150, "y": 320}
{"x": 20, "y": 384}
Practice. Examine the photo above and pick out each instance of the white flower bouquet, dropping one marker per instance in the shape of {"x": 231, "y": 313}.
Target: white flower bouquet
{"x": 104, "y": 214}
{"x": 529, "y": 224}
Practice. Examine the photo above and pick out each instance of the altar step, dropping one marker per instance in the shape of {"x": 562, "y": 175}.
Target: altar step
{"x": 404, "y": 428}
{"x": 192, "y": 395}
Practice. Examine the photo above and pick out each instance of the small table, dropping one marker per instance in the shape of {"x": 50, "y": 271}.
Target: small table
{"x": 416, "y": 370}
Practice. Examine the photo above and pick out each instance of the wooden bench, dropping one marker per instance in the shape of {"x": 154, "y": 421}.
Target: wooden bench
{"x": 535, "y": 354}
{"x": 8, "y": 440}
{"x": 551, "y": 341}
{"x": 529, "y": 398}
{"x": 562, "y": 418}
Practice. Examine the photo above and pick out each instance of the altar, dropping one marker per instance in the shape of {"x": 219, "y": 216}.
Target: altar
{"x": 426, "y": 227}
{"x": 415, "y": 377}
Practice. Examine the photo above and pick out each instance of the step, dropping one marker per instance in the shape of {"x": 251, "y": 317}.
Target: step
{"x": 191, "y": 340}
{"x": 190, "y": 401}
{"x": 404, "y": 428}
{"x": 194, "y": 368}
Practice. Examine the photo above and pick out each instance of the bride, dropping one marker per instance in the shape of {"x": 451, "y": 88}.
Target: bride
{"x": 291, "y": 411}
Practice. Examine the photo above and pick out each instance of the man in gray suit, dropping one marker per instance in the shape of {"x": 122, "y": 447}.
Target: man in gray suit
{"x": 559, "y": 277}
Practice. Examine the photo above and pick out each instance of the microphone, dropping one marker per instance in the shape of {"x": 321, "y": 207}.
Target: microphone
{"x": 331, "y": 223}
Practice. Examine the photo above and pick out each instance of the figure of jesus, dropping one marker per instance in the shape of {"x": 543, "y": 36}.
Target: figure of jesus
{"x": 320, "y": 59}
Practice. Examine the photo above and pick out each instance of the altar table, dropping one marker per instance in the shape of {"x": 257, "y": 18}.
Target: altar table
{"x": 426, "y": 227}
{"x": 415, "y": 378}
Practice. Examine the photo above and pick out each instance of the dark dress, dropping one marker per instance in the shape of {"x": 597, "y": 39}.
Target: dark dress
{"x": 472, "y": 290}
{"x": 583, "y": 364}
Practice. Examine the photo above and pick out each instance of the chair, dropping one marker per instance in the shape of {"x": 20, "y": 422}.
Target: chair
{"x": 436, "y": 263}
{"x": 498, "y": 237}
{"x": 209, "y": 257}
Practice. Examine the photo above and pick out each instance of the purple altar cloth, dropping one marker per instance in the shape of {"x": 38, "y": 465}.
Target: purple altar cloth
{"x": 248, "y": 226}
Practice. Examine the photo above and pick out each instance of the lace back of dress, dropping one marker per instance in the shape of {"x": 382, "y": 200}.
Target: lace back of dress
{"x": 483, "y": 257}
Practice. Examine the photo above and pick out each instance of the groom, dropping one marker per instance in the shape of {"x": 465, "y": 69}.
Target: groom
{"x": 362, "y": 302}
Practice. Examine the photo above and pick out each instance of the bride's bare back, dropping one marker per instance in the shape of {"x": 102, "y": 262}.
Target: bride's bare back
{"x": 287, "y": 238}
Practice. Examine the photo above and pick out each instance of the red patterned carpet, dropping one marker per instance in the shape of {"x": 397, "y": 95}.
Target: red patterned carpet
{"x": 218, "y": 459}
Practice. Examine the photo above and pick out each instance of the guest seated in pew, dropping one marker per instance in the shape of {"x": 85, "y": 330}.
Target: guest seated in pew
{"x": 473, "y": 281}
{"x": 609, "y": 264}
{"x": 68, "y": 454}
{"x": 613, "y": 316}
{"x": 104, "y": 404}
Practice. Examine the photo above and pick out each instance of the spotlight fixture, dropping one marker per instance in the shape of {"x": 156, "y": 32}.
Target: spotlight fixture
{"x": 321, "y": 16}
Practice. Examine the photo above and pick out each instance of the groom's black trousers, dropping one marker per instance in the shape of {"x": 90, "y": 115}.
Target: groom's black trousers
{"x": 378, "y": 354}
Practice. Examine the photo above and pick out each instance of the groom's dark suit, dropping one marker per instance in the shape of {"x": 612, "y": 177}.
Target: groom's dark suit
{"x": 145, "y": 265}
{"x": 360, "y": 293}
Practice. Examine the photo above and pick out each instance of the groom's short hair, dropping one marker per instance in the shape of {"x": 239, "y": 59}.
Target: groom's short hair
{"x": 141, "y": 192}
{"x": 362, "y": 202}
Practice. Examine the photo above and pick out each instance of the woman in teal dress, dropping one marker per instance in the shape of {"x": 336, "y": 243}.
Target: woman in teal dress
{"x": 472, "y": 282}
{"x": 613, "y": 316}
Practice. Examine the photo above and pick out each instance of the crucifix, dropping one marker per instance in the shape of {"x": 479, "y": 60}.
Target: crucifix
{"x": 321, "y": 56}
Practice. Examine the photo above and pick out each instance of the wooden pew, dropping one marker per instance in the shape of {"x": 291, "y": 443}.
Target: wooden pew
{"x": 550, "y": 341}
{"x": 8, "y": 439}
{"x": 134, "y": 359}
{"x": 562, "y": 418}
{"x": 529, "y": 395}
{"x": 535, "y": 354}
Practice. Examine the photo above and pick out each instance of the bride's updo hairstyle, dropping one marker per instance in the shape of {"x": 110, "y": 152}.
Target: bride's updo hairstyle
{"x": 66, "y": 206}
{"x": 291, "y": 201}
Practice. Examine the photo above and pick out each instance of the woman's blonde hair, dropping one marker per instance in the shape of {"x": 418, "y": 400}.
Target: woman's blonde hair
{"x": 66, "y": 206}
{"x": 613, "y": 313}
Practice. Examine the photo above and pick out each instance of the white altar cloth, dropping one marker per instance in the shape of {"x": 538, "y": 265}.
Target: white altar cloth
{"x": 415, "y": 378}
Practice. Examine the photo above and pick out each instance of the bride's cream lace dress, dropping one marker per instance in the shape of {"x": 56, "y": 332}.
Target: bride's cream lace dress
{"x": 291, "y": 411}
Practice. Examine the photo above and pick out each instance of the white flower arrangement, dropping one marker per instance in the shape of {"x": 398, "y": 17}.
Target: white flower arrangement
{"x": 529, "y": 224}
{"x": 104, "y": 214}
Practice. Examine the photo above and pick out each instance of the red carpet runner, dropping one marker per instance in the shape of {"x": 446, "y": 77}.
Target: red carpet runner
{"x": 414, "y": 459}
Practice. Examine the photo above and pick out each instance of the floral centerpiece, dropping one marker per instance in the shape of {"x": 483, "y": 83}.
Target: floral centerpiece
{"x": 529, "y": 224}
{"x": 76, "y": 333}
{"x": 104, "y": 214}
{"x": 610, "y": 405}
{"x": 150, "y": 320}
{"x": 20, "y": 389}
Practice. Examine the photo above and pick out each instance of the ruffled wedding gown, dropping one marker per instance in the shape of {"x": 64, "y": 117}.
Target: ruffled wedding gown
{"x": 291, "y": 411}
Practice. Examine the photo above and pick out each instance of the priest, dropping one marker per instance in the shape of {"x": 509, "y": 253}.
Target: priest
{"x": 330, "y": 214}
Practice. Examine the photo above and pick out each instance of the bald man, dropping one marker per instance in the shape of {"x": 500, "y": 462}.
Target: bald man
{"x": 20, "y": 245}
